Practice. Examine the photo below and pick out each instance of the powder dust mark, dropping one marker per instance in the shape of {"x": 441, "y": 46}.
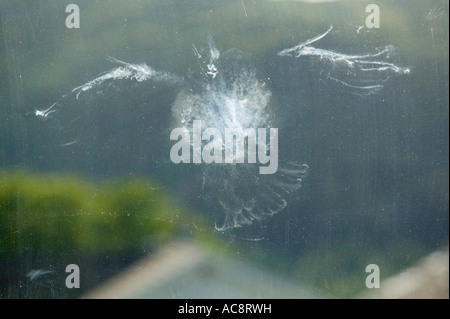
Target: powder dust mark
{"x": 45, "y": 113}
{"x": 435, "y": 13}
{"x": 214, "y": 56}
{"x": 228, "y": 95}
{"x": 243, "y": 6}
{"x": 252, "y": 239}
{"x": 434, "y": 52}
{"x": 235, "y": 98}
{"x": 69, "y": 143}
{"x": 197, "y": 54}
{"x": 129, "y": 71}
{"x": 366, "y": 73}
{"x": 138, "y": 72}
{"x": 40, "y": 277}
{"x": 371, "y": 88}
{"x": 298, "y": 49}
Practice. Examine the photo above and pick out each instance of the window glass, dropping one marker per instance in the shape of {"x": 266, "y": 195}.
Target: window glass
{"x": 254, "y": 149}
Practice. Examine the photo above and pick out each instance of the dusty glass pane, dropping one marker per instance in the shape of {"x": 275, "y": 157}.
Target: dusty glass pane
{"x": 244, "y": 148}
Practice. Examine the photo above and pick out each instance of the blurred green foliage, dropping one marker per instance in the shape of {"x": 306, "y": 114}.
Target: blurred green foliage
{"x": 62, "y": 213}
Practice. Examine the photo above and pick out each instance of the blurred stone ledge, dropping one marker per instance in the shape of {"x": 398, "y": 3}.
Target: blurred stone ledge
{"x": 190, "y": 271}
{"x": 428, "y": 279}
